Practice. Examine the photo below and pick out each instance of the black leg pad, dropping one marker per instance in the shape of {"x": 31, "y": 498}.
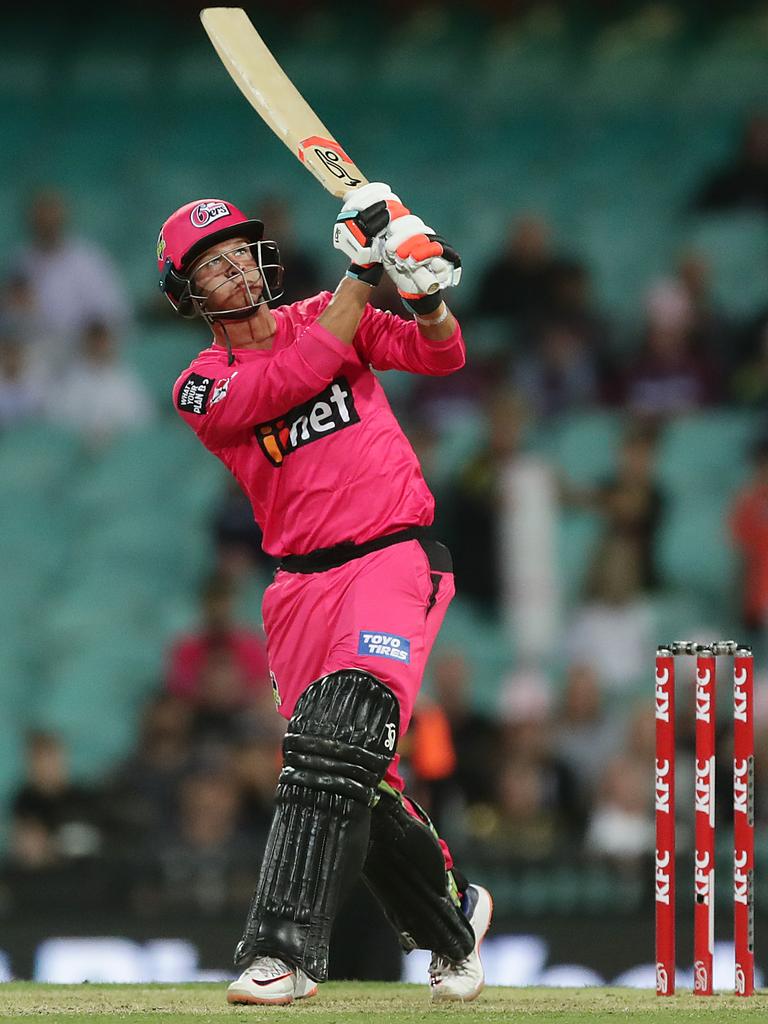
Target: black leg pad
{"x": 341, "y": 738}
{"x": 405, "y": 870}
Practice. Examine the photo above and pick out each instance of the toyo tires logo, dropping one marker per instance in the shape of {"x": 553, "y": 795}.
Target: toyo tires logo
{"x": 210, "y": 210}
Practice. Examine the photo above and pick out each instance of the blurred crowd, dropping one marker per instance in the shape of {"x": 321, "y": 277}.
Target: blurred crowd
{"x": 551, "y": 772}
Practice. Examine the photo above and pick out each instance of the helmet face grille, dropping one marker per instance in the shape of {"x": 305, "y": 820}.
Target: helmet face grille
{"x": 248, "y": 271}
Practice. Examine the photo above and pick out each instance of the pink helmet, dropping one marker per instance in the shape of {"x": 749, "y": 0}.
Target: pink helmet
{"x": 189, "y": 232}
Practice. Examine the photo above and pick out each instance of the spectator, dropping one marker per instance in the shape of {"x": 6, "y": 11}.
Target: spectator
{"x": 670, "y": 376}
{"x": 99, "y": 396}
{"x": 560, "y": 373}
{"x": 192, "y": 656}
{"x": 302, "y": 274}
{"x": 444, "y": 402}
{"x": 629, "y": 502}
{"x": 141, "y": 792}
{"x": 518, "y": 284}
{"x": 224, "y": 693}
{"x": 32, "y": 846}
{"x": 205, "y": 860}
{"x": 22, "y": 384}
{"x": 256, "y": 762}
{"x": 743, "y": 182}
{"x": 428, "y": 760}
{"x": 536, "y": 811}
{"x": 613, "y": 631}
{"x": 585, "y": 733}
{"x": 472, "y": 504}
{"x": 73, "y": 281}
{"x": 749, "y": 385}
{"x": 572, "y": 304}
{"x": 474, "y": 736}
{"x": 711, "y": 329}
{"x": 19, "y": 317}
{"x": 48, "y": 801}
{"x": 749, "y": 530}
{"x": 621, "y": 827}
{"x": 237, "y": 536}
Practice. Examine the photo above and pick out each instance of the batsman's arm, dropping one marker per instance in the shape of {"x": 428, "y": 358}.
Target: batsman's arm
{"x": 389, "y": 343}
{"x": 260, "y": 390}
{"x": 253, "y": 392}
{"x": 437, "y": 326}
{"x": 344, "y": 312}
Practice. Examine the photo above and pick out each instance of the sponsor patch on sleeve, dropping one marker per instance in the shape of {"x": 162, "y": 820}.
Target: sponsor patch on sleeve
{"x": 194, "y": 393}
{"x": 384, "y": 645}
{"x": 221, "y": 389}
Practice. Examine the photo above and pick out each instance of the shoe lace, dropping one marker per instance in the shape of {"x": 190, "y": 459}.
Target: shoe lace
{"x": 270, "y": 965}
{"x": 440, "y": 965}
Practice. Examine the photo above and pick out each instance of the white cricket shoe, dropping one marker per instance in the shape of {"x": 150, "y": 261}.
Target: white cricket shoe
{"x": 463, "y": 980}
{"x": 270, "y": 980}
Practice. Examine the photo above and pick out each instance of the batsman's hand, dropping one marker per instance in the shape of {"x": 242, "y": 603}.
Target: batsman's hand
{"x": 365, "y": 221}
{"x": 421, "y": 266}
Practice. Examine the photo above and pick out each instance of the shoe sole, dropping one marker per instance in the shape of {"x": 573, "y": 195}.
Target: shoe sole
{"x": 243, "y": 1000}
{"x": 250, "y": 1000}
{"x": 436, "y": 998}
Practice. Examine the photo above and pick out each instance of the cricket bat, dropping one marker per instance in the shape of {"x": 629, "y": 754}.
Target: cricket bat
{"x": 272, "y": 94}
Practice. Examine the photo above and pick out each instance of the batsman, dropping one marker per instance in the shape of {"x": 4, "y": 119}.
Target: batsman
{"x": 286, "y": 398}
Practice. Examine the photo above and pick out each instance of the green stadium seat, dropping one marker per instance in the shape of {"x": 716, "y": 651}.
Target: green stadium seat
{"x": 694, "y": 550}
{"x": 160, "y": 354}
{"x": 737, "y": 247}
{"x": 486, "y": 646}
{"x": 37, "y": 458}
{"x": 106, "y": 684}
{"x": 705, "y": 453}
{"x": 23, "y": 79}
{"x": 586, "y": 445}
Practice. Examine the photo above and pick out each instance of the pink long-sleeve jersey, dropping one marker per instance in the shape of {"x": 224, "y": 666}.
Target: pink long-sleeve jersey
{"x": 307, "y": 430}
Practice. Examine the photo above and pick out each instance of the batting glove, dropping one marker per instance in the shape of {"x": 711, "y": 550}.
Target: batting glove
{"x": 369, "y": 273}
{"x": 421, "y": 266}
{"x": 365, "y": 219}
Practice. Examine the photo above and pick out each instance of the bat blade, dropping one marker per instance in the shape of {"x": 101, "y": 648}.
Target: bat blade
{"x": 272, "y": 95}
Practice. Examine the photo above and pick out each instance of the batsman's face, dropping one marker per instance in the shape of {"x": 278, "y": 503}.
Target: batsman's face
{"x": 226, "y": 273}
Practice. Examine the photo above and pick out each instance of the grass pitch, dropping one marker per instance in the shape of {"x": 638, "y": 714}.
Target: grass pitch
{"x": 364, "y": 1003}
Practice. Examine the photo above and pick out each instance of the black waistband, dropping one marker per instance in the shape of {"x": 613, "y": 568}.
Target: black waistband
{"x": 331, "y": 558}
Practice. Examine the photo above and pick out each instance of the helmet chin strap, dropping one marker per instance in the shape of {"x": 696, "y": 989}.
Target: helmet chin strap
{"x": 230, "y": 356}
{"x": 222, "y": 322}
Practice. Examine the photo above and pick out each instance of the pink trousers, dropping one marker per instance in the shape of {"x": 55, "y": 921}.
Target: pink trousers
{"x": 380, "y": 613}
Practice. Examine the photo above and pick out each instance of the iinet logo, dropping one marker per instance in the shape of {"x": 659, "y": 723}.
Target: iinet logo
{"x": 331, "y": 410}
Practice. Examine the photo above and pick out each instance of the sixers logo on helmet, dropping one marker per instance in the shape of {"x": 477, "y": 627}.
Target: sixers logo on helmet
{"x": 212, "y": 209}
